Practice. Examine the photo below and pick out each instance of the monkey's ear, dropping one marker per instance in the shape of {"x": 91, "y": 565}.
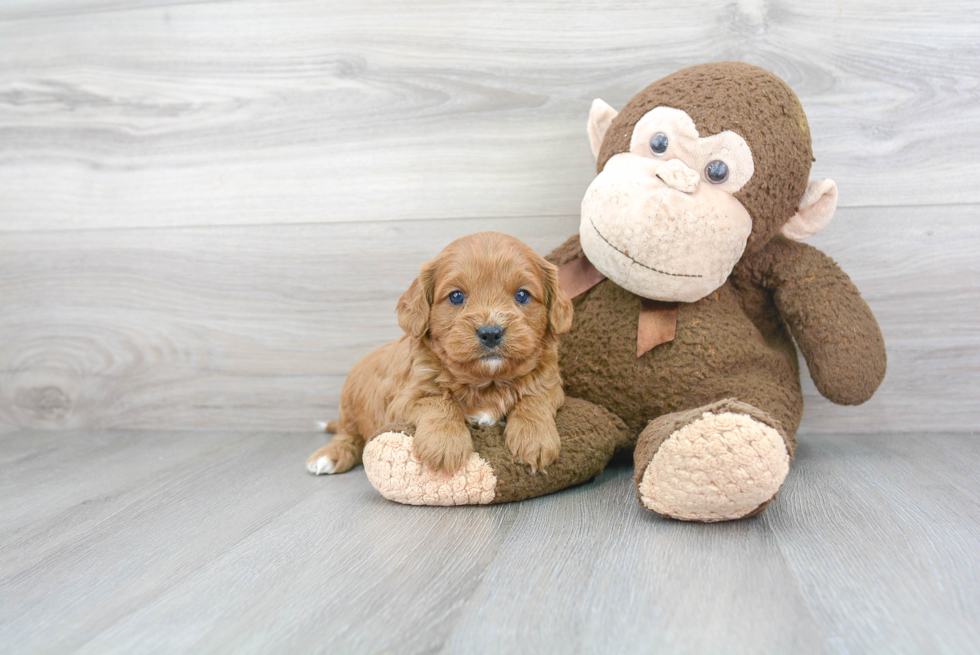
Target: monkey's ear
{"x": 559, "y": 304}
{"x": 414, "y": 305}
{"x": 816, "y": 209}
{"x": 600, "y": 116}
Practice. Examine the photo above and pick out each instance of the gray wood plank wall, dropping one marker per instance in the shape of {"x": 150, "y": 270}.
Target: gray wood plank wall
{"x": 208, "y": 209}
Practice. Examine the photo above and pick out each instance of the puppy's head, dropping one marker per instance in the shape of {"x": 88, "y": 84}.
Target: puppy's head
{"x": 487, "y": 306}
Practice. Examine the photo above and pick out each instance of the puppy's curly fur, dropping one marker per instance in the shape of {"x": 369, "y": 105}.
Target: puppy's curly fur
{"x": 443, "y": 373}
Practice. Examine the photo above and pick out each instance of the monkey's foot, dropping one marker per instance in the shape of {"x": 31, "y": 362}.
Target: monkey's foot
{"x": 396, "y": 472}
{"x": 589, "y": 436}
{"x": 717, "y": 463}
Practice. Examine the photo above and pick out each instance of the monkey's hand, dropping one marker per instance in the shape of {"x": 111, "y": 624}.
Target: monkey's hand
{"x": 832, "y": 324}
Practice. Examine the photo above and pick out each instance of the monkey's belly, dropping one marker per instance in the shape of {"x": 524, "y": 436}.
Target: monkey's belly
{"x": 717, "y": 353}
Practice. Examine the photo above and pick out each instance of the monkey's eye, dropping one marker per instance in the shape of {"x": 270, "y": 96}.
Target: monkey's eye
{"x": 658, "y": 143}
{"x": 457, "y": 298}
{"x": 716, "y": 171}
{"x": 522, "y": 297}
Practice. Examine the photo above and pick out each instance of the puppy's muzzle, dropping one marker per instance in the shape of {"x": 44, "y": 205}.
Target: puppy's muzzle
{"x": 490, "y": 335}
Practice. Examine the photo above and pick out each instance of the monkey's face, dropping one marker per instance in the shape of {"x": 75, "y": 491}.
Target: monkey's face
{"x": 661, "y": 220}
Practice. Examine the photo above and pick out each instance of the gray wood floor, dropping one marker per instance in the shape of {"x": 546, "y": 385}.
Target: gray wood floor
{"x": 163, "y": 542}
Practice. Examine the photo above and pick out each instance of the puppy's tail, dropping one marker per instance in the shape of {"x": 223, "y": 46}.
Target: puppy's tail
{"x": 330, "y": 427}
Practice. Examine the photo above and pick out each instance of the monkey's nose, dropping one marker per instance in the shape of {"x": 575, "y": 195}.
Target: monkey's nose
{"x": 677, "y": 175}
{"x": 490, "y": 335}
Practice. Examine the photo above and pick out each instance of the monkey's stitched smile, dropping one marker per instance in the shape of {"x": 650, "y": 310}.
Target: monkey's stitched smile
{"x": 650, "y": 268}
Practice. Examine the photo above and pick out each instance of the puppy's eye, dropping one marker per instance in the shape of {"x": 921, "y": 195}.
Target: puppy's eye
{"x": 457, "y": 298}
{"x": 522, "y": 297}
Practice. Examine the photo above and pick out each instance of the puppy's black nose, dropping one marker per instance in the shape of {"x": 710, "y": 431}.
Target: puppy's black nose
{"x": 490, "y": 335}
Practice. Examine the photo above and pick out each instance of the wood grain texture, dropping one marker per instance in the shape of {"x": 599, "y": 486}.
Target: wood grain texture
{"x": 230, "y": 546}
{"x": 901, "y": 512}
{"x": 226, "y": 113}
{"x": 12, "y": 10}
{"x": 256, "y": 327}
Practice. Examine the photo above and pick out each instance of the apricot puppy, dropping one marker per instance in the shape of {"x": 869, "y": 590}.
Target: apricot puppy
{"x": 481, "y": 326}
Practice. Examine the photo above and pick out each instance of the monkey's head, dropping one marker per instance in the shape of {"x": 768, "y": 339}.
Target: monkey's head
{"x": 698, "y": 170}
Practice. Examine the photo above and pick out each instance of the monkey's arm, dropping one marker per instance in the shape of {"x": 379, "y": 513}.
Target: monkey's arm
{"x": 833, "y": 326}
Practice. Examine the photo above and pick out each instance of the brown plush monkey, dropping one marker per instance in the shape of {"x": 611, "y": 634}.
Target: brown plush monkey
{"x": 690, "y": 287}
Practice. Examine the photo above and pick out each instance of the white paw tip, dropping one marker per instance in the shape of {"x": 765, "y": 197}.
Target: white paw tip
{"x": 321, "y": 466}
{"x": 321, "y": 426}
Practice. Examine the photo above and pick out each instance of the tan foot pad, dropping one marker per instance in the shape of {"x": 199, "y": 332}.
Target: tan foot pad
{"x": 717, "y": 468}
{"x": 398, "y": 475}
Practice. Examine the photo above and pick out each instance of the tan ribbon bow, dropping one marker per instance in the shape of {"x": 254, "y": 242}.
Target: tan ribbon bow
{"x": 657, "y": 323}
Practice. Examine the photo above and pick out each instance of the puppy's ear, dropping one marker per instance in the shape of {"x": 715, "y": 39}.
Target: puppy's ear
{"x": 559, "y": 304}
{"x": 414, "y": 305}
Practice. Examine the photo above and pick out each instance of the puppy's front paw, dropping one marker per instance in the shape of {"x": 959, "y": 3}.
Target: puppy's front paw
{"x": 443, "y": 449}
{"x": 533, "y": 442}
